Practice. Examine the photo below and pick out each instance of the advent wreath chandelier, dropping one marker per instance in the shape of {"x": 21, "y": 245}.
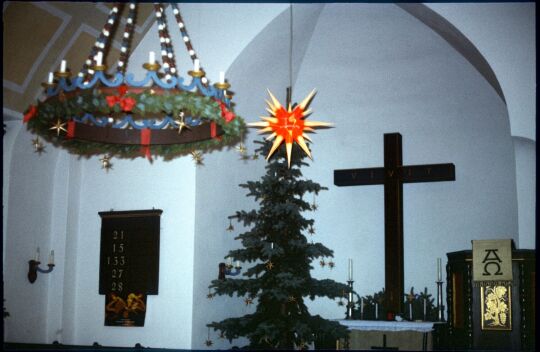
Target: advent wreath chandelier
{"x": 117, "y": 115}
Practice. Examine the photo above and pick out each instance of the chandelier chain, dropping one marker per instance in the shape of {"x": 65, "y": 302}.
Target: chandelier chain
{"x": 102, "y": 40}
{"x": 164, "y": 39}
{"x": 126, "y": 39}
{"x": 183, "y": 31}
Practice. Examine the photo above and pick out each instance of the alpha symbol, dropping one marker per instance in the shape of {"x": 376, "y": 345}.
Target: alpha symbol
{"x": 492, "y": 258}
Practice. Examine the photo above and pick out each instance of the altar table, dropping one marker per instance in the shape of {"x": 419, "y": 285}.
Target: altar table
{"x": 403, "y": 335}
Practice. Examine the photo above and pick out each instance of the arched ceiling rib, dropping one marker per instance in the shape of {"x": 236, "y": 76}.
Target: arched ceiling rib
{"x": 456, "y": 39}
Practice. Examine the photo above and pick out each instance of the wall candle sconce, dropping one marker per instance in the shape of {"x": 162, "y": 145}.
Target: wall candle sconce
{"x": 226, "y": 269}
{"x": 33, "y": 266}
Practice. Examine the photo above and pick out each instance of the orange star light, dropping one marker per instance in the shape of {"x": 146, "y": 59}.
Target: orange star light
{"x": 288, "y": 125}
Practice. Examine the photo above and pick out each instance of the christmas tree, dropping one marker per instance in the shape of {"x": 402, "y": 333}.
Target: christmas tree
{"x": 279, "y": 280}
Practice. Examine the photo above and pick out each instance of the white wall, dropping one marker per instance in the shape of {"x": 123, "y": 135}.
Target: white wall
{"x": 12, "y": 129}
{"x": 396, "y": 75}
{"x": 28, "y": 227}
{"x": 525, "y": 150}
{"x": 505, "y": 35}
{"x": 377, "y": 70}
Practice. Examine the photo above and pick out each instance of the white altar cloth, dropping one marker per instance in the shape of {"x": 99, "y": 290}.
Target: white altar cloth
{"x": 379, "y": 325}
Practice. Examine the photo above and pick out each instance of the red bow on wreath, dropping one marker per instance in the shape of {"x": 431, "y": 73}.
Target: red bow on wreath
{"x": 226, "y": 114}
{"x": 32, "y": 110}
{"x": 126, "y": 104}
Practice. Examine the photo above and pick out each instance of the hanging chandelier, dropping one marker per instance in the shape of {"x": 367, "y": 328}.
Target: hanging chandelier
{"x": 97, "y": 112}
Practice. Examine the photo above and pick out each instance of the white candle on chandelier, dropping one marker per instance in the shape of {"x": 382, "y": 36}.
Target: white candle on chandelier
{"x": 99, "y": 58}
{"x": 51, "y": 77}
{"x": 63, "y": 66}
{"x": 151, "y": 58}
{"x": 51, "y": 258}
{"x": 271, "y": 245}
{"x": 36, "y": 258}
{"x": 425, "y": 308}
{"x": 196, "y": 65}
{"x": 221, "y": 77}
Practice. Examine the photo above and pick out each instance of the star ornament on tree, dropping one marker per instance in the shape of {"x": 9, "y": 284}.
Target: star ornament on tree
{"x": 288, "y": 125}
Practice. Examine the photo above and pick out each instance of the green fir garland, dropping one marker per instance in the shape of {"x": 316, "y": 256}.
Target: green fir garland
{"x": 64, "y": 106}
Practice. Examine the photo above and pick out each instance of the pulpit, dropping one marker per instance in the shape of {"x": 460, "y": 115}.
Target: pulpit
{"x": 472, "y": 310}
{"x": 389, "y": 335}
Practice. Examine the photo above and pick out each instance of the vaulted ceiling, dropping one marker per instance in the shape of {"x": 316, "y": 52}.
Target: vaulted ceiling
{"x": 38, "y": 35}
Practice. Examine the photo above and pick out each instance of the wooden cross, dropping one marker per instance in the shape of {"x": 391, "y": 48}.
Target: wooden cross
{"x": 393, "y": 175}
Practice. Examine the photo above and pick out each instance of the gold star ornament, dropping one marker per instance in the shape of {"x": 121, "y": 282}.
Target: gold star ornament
{"x": 231, "y": 227}
{"x": 59, "y": 126}
{"x": 288, "y": 125}
{"x": 38, "y": 146}
{"x": 181, "y": 124}
{"x": 197, "y": 157}
{"x": 241, "y": 148}
{"x": 106, "y": 163}
{"x": 269, "y": 265}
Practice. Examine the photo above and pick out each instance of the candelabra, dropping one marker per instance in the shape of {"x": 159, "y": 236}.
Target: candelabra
{"x": 440, "y": 306}
{"x": 33, "y": 266}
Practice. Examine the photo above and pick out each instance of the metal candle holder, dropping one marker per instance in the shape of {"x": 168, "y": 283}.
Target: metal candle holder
{"x": 440, "y": 307}
{"x": 226, "y": 270}
{"x": 33, "y": 268}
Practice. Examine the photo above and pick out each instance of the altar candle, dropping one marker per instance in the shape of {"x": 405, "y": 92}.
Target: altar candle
{"x": 350, "y": 270}
{"x": 151, "y": 57}
{"x": 63, "y": 66}
{"x": 221, "y": 77}
{"x": 51, "y": 257}
{"x": 196, "y": 65}
{"x": 51, "y": 77}
{"x": 410, "y": 311}
{"x": 376, "y": 311}
{"x": 362, "y": 305}
{"x": 425, "y": 308}
{"x": 439, "y": 273}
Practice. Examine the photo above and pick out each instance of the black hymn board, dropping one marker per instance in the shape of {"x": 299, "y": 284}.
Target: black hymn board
{"x": 129, "y": 260}
{"x": 392, "y": 176}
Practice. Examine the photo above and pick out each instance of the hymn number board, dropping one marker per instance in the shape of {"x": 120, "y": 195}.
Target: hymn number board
{"x": 129, "y": 260}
